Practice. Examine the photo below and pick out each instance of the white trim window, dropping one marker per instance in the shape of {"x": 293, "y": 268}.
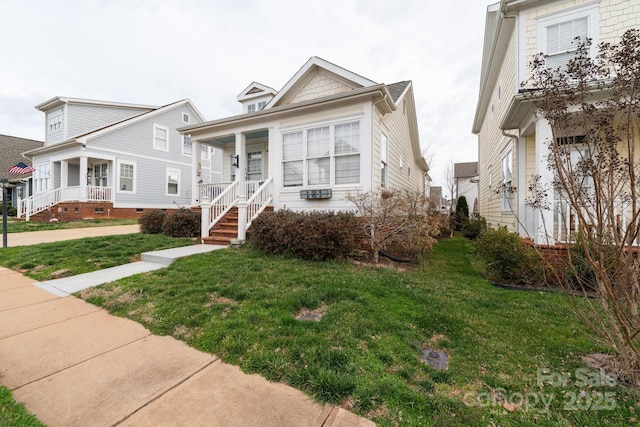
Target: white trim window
{"x": 507, "y": 180}
{"x": 173, "y": 182}
{"x": 126, "y": 177}
{"x": 160, "y": 137}
{"x": 251, "y": 108}
{"x": 261, "y": 105}
{"x": 321, "y": 156}
{"x": 186, "y": 145}
{"x": 42, "y": 177}
{"x": 55, "y": 120}
{"x": 384, "y": 160}
{"x": 204, "y": 152}
{"x": 557, "y": 34}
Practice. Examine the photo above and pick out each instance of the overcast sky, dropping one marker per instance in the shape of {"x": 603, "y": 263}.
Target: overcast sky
{"x": 159, "y": 51}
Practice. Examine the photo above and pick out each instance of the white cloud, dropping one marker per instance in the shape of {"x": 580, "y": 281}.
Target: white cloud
{"x": 159, "y": 51}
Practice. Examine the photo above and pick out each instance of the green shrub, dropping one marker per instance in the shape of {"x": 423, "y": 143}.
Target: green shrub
{"x": 508, "y": 259}
{"x": 182, "y": 223}
{"x": 475, "y": 227}
{"x": 151, "y": 221}
{"x": 462, "y": 207}
{"x": 12, "y": 211}
{"x": 316, "y": 236}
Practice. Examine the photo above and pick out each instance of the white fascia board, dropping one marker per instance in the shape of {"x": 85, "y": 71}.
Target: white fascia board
{"x": 265, "y": 90}
{"x": 314, "y": 61}
{"x": 59, "y": 100}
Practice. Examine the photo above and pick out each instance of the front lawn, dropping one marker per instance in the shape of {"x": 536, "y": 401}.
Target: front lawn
{"x": 84, "y": 255}
{"x": 364, "y": 354}
{"x": 14, "y": 414}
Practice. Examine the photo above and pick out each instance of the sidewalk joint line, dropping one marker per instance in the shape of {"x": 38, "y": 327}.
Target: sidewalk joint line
{"x": 185, "y": 379}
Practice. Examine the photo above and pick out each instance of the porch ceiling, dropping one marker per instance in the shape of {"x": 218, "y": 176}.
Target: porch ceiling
{"x": 231, "y": 139}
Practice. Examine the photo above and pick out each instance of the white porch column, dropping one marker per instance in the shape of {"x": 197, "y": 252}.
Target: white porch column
{"x": 241, "y": 152}
{"x": 521, "y": 192}
{"x": 64, "y": 173}
{"x": 205, "y": 217}
{"x": 544, "y": 219}
{"x": 242, "y": 217}
{"x": 83, "y": 178}
{"x": 196, "y": 172}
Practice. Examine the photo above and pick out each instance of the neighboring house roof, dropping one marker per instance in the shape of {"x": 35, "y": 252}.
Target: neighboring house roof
{"x": 83, "y": 138}
{"x": 397, "y": 89}
{"x": 12, "y": 148}
{"x": 58, "y": 101}
{"x": 465, "y": 170}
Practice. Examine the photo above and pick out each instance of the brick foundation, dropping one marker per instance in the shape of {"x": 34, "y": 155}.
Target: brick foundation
{"x": 73, "y": 211}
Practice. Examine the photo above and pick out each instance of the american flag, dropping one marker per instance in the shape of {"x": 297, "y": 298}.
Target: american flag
{"x": 22, "y": 169}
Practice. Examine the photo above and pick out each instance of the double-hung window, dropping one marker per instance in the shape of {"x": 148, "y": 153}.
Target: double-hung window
{"x": 126, "y": 177}
{"x": 186, "y": 145}
{"x": 173, "y": 182}
{"x": 507, "y": 180}
{"x": 326, "y": 155}
{"x": 160, "y": 137}
{"x": 557, "y": 34}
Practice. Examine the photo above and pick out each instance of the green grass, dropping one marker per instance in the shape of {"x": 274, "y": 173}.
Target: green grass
{"x": 14, "y": 226}
{"x": 13, "y": 414}
{"x": 84, "y": 255}
{"x": 364, "y": 354}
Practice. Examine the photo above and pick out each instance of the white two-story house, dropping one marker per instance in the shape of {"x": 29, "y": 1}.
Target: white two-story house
{"x": 110, "y": 159}
{"x": 511, "y": 137}
{"x": 328, "y": 133}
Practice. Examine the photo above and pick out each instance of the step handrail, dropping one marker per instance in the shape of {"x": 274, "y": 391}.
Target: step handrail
{"x": 259, "y": 200}
{"x": 213, "y": 211}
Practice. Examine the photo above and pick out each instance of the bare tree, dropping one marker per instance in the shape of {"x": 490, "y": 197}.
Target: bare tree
{"x": 450, "y": 182}
{"x": 593, "y": 107}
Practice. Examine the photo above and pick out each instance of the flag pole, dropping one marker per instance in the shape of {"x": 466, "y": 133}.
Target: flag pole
{"x": 5, "y": 185}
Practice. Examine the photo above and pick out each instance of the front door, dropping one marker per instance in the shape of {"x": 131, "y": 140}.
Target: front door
{"x": 254, "y": 166}
{"x": 100, "y": 175}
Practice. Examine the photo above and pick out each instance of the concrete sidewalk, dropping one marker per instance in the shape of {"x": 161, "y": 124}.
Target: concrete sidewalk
{"x": 74, "y": 364}
{"x": 48, "y": 236}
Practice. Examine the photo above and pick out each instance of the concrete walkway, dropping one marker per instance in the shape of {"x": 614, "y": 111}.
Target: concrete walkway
{"x": 48, "y": 236}
{"x": 73, "y": 364}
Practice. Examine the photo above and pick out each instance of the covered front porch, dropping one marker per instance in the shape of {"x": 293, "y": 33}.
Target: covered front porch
{"x": 73, "y": 179}
{"x": 246, "y": 188}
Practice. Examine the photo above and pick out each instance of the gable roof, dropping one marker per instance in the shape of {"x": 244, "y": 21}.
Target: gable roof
{"x": 255, "y": 90}
{"x": 94, "y": 133}
{"x": 465, "y": 170}
{"x": 12, "y": 148}
{"x": 397, "y": 89}
{"x": 312, "y": 65}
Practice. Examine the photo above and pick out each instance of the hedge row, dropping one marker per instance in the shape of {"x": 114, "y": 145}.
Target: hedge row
{"x": 182, "y": 223}
{"x": 316, "y": 236}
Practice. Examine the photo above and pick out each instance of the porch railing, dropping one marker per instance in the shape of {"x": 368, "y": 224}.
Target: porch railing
{"x": 37, "y": 203}
{"x": 99, "y": 194}
{"x": 225, "y": 197}
{"x": 259, "y": 200}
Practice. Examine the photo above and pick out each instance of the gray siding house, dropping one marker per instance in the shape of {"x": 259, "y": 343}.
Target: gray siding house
{"x": 109, "y": 159}
{"x": 12, "y": 147}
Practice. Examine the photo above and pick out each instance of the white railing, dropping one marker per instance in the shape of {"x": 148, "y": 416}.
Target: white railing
{"x": 213, "y": 211}
{"x": 211, "y": 191}
{"x": 38, "y": 203}
{"x": 99, "y": 194}
{"x": 259, "y": 200}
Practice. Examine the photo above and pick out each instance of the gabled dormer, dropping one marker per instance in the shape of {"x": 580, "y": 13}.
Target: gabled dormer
{"x": 68, "y": 117}
{"x": 255, "y": 97}
{"x": 316, "y": 79}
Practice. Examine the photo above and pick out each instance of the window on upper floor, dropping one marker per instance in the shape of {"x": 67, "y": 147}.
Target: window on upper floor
{"x": 160, "y": 137}
{"x": 55, "y": 120}
{"x": 326, "y": 155}
{"x": 186, "y": 145}
{"x": 261, "y": 105}
{"x": 251, "y": 108}
{"x": 186, "y": 118}
{"x": 557, "y": 34}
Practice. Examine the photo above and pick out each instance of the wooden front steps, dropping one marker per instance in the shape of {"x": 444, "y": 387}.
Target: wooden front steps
{"x": 226, "y": 229}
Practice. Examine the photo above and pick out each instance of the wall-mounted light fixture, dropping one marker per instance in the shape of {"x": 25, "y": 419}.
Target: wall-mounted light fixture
{"x": 235, "y": 161}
